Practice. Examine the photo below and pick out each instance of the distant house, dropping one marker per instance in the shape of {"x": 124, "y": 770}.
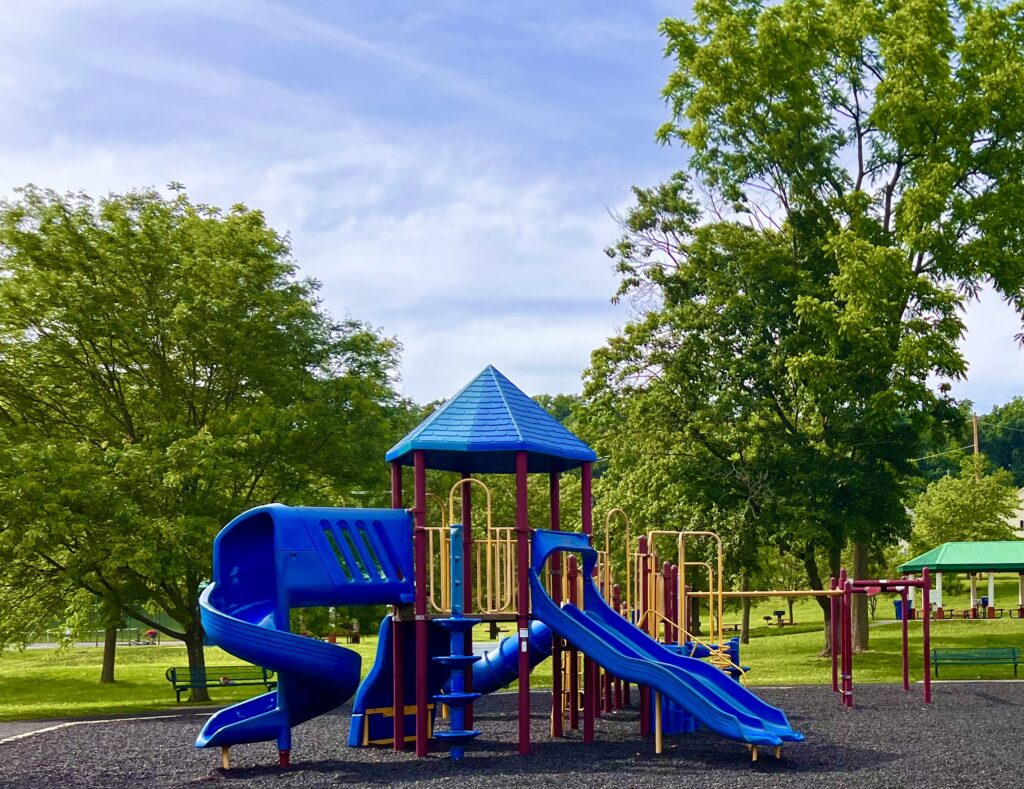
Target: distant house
{"x": 1016, "y": 520}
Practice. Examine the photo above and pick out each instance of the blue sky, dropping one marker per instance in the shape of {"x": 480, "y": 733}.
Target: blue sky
{"x": 447, "y": 169}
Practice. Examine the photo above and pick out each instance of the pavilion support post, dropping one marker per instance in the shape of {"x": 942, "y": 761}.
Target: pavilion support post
{"x": 523, "y": 608}
{"x": 938, "y": 596}
{"x": 397, "y": 637}
{"x": 910, "y": 599}
{"x": 422, "y": 625}
{"x": 1020, "y": 595}
{"x": 974, "y": 595}
{"x": 991, "y": 595}
{"x": 555, "y": 562}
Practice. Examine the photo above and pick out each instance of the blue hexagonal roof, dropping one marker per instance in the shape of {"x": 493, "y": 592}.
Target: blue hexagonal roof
{"x": 481, "y": 429}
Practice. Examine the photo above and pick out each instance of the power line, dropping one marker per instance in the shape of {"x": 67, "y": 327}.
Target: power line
{"x": 947, "y": 452}
{"x": 1004, "y": 427}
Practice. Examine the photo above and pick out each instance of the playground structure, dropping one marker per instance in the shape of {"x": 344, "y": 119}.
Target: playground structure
{"x": 664, "y": 597}
{"x": 555, "y": 586}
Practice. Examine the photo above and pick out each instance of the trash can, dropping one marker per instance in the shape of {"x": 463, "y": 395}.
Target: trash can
{"x": 898, "y": 605}
{"x": 984, "y": 602}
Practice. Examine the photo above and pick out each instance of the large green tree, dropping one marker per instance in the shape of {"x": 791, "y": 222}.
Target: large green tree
{"x": 161, "y": 370}
{"x": 862, "y": 165}
{"x": 974, "y": 506}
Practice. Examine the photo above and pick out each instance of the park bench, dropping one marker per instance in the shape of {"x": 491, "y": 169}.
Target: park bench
{"x": 976, "y": 656}
{"x": 183, "y": 678}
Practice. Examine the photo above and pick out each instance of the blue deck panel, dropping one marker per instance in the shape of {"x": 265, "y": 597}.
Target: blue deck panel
{"x": 483, "y": 427}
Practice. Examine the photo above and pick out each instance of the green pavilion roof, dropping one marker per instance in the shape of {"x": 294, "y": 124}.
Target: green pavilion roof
{"x": 1001, "y": 556}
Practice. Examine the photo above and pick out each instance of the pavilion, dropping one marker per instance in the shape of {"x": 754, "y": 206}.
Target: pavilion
{"x": 973, "y": 558}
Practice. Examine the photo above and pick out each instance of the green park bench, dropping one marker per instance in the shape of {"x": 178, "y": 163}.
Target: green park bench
{"x": 183, "y": 678}
{"x": 976, "y": 656}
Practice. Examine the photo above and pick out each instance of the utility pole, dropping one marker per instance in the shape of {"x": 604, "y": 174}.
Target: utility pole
{"x": 977, "y": 450}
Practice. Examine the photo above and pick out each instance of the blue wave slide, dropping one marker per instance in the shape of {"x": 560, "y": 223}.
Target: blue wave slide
{"x": 717, "y": 701}
{"x": 275, "y": 558}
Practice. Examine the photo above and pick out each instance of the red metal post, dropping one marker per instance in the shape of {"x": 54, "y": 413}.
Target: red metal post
{"x": 398, "y": 668}
{"x": 523, "y": 612}
{"x": 905, "y": 616}
{"x": 422, "y": 626}
{"x": 677, "y": 633}
{"x": 617, "y": 605}
{"x": 555, "y": 562}
{"x": 589, "y": 711}
{"x": 645, "y": 604}
{"x": 589, "y": 683}
{"x": 574, "y": 666}
{"x": 926, "y": 633}
{"x": 848, "y": 640}
{"x": 666, "y": 577}
{"x": 833, "y": 624}
{"x": 587, "y": 496}
{"x": 467, "y": 582}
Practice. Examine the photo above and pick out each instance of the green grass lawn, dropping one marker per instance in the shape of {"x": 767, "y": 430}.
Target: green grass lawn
{"x": 45, "y": 683}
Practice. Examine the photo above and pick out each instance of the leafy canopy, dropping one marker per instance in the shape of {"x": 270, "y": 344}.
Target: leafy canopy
{"x": 161, "y": 370}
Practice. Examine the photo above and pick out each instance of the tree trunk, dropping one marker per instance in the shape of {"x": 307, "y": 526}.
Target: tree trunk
{"x": 695, "y": 616}
{"x": 859, "y": 602}
{"x": 109, "y": 653}
{"x": 814, "y": 579}
{"x": 194, "y": 637}
{"x": 745, "y": 621}
{"x": 789, "y": 604}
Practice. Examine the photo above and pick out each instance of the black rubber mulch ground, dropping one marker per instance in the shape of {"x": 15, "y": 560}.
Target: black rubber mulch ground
{"x": 971, "y": 736}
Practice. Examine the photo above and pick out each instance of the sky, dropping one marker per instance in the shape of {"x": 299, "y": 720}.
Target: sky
{"x": 449, "y": 170}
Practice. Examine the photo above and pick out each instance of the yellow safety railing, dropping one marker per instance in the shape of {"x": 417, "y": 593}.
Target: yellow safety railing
{"x": 439, "y": 560}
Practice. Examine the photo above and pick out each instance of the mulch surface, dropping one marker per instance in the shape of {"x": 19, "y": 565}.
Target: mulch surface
{"x": 970, "y": 736}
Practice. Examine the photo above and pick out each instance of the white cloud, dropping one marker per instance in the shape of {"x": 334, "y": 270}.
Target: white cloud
{"x": 996, "y": 371}
{"x": 441, "y": 239}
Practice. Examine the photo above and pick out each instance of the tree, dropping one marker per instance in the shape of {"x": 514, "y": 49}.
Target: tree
{"x": 873, "y": 152}
{"x": 162, "y": 370}
{"x": 1002, "y": 437}
{"x": 970, "y": 507}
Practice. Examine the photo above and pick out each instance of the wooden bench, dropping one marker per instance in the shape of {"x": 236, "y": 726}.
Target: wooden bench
{"x": 976, "y": 656}
{"x": 183, "y": 678}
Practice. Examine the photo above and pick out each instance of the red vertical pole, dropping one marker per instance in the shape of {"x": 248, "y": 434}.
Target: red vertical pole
{"x": 589, "y": 674}
{"x": 617, "y": 605}
{"x": 523, "y": 612}
{"x": 422, "y": 626}
{"x": 467, "y": 582}
{"x": 926, "y": 632}
{"x": 398, "y": 668}
{"x": 555, "y": 562}
{"x": 666, "y": 575}
{"x": 905, "y": 616}
{"x": 574, "y": 682}
{"x": 587, "y": 496}
{"x": 589, "y": 712}
{"x": 645, "y": 604}
{"x": 677, "y": 636}
{"x": 848, "y": 638}
{"x": 833, "y": 624}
